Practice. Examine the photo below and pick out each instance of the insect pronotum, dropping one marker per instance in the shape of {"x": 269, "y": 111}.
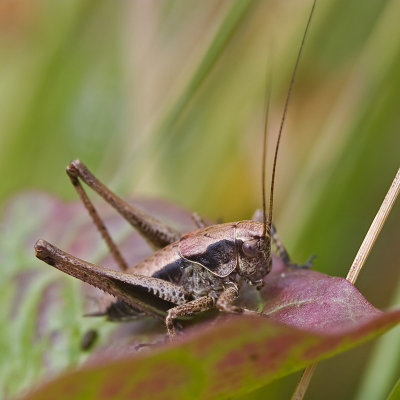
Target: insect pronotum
{"x": 187, "y": 273}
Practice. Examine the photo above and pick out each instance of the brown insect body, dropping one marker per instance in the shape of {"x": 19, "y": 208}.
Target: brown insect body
{"x": 204, "y": 261}
{"x": 204, "y": 266}
{"x": 187, "y": 273}
{"x": 225, "y": 248}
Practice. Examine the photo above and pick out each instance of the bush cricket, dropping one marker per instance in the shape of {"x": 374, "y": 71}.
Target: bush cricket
{"x": 188, "y": 273}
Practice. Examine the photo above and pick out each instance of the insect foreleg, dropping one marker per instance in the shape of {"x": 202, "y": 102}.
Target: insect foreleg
{"x": 154, "y": 231}
{"x": 226, "y": 299}
{"x": 284, "y": 255}
{"x": 201, "y": 304}
{"x": 282, "y": 252}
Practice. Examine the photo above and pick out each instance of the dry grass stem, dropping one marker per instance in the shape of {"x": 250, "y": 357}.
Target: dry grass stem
{"x": 374, "y": 229}
{"x": 304, "y": 382}
{"x": 358, "y": 263}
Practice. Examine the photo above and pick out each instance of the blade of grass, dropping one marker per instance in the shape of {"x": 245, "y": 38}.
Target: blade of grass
{"x": 395, "y": 393}
{"x": 342, "y": 128}
{"x": 164, "y": 131}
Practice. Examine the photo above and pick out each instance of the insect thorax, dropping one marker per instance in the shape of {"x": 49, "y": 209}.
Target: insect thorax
{"x": 199, "y": 282}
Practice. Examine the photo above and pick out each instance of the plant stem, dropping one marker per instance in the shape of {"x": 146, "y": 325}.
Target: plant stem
{"x": 374, "y": 229}
{"x": 358, "y": 263}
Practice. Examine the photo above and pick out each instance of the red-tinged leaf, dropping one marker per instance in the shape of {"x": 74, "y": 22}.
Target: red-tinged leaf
{"x": 42, "y": 319}
{"x": 308, "y": 316}
{"x": 234, "y": 356}
{"x": 314, "y": 301}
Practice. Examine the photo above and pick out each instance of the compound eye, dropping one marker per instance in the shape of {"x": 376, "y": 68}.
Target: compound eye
{"x": 250, "y": 248}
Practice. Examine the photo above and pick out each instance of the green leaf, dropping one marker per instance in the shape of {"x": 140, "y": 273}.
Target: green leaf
{"x": 395, "y": 393}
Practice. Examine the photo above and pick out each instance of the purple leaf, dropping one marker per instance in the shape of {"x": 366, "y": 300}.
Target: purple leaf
{"x": 234, "y": 356}
{"x": 307, "y": 316}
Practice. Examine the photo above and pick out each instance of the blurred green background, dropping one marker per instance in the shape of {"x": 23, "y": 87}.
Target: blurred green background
{"x": 165, "y": 99}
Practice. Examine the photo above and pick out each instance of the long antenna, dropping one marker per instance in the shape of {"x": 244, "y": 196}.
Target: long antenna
{"x": 271, "y": 196}
{"x": 264, "y": 155}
